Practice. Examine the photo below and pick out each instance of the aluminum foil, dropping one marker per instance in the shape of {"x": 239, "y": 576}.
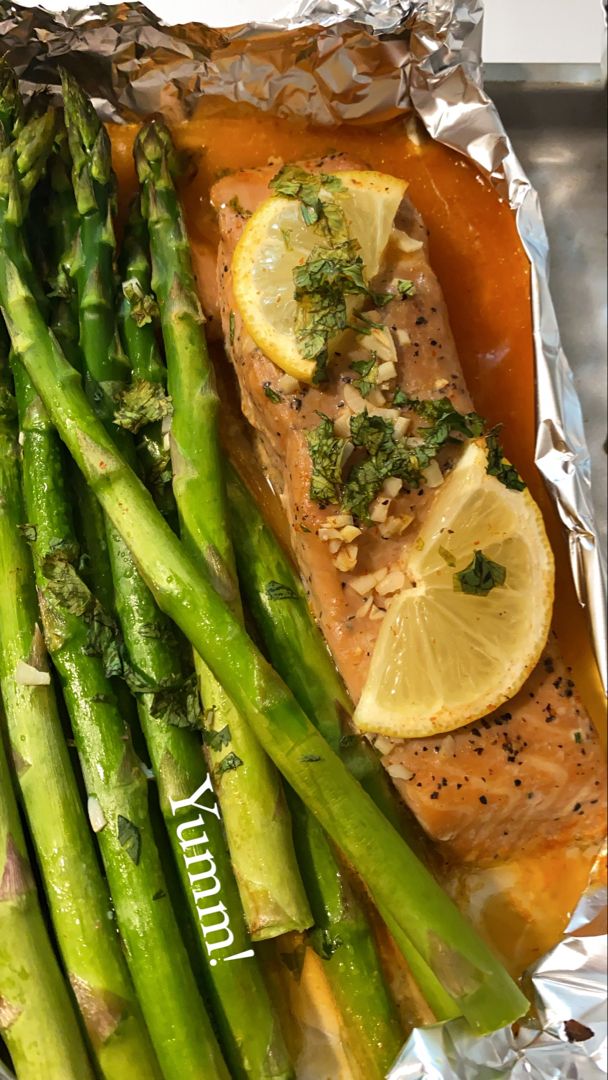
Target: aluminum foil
{"x": 349, "y": 61}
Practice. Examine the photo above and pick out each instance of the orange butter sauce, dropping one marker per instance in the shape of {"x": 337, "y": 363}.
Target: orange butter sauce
{"x": 479, "y": 260}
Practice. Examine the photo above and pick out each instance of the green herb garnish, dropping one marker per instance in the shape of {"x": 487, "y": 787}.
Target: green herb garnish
{"x": 230, "y": 762}
{"x": 271, "y": 394}
{"x": 295, "y": 183}
{"x": 327, "y": 455}
{"x": 217, "y": 740}
{"x": 406, "y": 288}
{"x": 368, "y": 370}
{"x": 501, "y": 469}
{"x": 231, "y": 327}
{"x": 129, "y": 837}
{"x": 480, "y": 576}
{"x": 446, "y": 556}
{"x": 276, "y": 591}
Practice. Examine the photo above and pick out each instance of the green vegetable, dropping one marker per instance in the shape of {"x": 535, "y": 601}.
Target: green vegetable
{"x": 178, "y": 1023}
{"x": 272, "y": 394}
{"x": 76, "y": 892}
{"x": 37, "y": 1022}
{"x": 256, "y": 818}
{"x": 171, "y": 718}
{"x": 415, "y": 907}
{"x": 480, "y": 576}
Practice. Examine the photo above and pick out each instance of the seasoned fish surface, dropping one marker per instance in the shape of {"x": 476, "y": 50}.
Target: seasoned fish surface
{"x": 557, "y": 755}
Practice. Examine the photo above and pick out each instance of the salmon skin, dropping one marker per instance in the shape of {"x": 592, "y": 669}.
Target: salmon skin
{"x": 533, "y": 772}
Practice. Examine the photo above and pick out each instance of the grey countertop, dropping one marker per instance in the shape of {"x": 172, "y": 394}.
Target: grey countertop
{"x": 559, "y": 135}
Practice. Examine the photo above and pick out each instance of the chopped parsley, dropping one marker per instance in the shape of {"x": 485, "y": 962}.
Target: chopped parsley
{"x": 406, "y": 288}
{"x": 353, "y": 484}
{"x": 333, "y": 270}
{"x": 275, "y": 590}
{"x": 444, "y": 419}
{"x": 480, "y": 576}
{"x": 295, "y": 183}
{"x": 286, "y": 234}
{"x": 236, "y": 205}
{"x": 217, "y": 740}
{"x": 230, "y": 762}
{"x": 499, "y": 467}
{"x": 271, "y": 394}
{"x": 327, "y": 453}
{"x": 129, "y": 837}
{"x": 368, "y": 370}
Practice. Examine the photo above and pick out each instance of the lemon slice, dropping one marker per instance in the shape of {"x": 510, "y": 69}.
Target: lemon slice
{"x": 446, "y": 657}
{"x": 276, "y": 239}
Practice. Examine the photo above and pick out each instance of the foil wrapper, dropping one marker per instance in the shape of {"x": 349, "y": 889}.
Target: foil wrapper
{"x": 367, "y": 61}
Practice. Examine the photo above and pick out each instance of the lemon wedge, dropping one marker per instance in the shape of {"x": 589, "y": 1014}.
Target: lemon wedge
{"x": 469, "y": 629}
{"x": 276, "y": 239}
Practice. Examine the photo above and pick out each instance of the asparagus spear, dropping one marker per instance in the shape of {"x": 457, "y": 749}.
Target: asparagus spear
{"x": 37, "y": 1018}
{"x": 77, "y": 896}
{"x": 76, "y": 893}
{"x": 343, "y": 936}
{"x": 409, "y": 899}
{"x": 255, "y": 813}
{"x": 37, "y": 1021}
{"x": 82, "y": 644}
{"x": 249, "y": 1032}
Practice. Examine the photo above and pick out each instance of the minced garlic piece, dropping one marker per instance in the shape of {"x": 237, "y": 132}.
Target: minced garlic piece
{"x": 404, "y": 242}
{"x": 366, "y": 582}
{"x": 346, "y": 559}
{"x": 392, "y": 583}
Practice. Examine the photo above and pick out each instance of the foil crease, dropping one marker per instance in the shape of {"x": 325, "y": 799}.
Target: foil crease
{"x": 368, "y": 61}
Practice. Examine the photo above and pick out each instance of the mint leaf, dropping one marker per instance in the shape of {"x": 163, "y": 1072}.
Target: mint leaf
{"x": 217, "y": 740}
{"x": 480, "y": 576}
{"x": 327, "y": 454}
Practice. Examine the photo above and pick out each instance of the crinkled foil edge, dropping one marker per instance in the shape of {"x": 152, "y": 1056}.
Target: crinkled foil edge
{"x": 348, "y": 61}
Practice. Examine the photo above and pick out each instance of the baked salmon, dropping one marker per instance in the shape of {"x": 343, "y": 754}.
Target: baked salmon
{"x": 533, "y": 772}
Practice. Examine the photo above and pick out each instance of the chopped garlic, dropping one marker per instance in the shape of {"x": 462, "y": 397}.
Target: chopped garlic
{"x": 399, "y": 771}
{"x": 342, "y": 425}
{"x": 402, "y": 424}
{"x": 287, "y": 384}
{"x": 413, "y": 130}
{"x": 376, "y": 397}
{"x": 381, "y": 342}
{"x": 21, "y": 438}
{"x": 96, "y": 814}
{"x": 392, "y": 583}
{"x": 394, "y": 526}
{"x": 403, "y": 338}
{"x": 392, "y": 486}
{"x": 357, "y": 404}
{"x": 366, "y": 582}
{"x": 338, "y": 521}
{"x": 350, "y": 533}
{"x": 334, "y": 546}
{"x": 346, "y": 559}
{"x": 376, "y": 614}
{"x": 364, "y": 610}
{"x": 441, "y": 383}
{"x": 329, "y": 534}
{"x": 404, "y": 242}
{"x": 433, "y": 475}
{"x": 382, "y": 744}
{"x": 379, "y": 509}
{"x": 387, "y": 371}
{"x": 28, "y": 675}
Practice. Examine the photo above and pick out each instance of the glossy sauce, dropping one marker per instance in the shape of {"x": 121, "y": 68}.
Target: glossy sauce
{"x": 484, "y": 273}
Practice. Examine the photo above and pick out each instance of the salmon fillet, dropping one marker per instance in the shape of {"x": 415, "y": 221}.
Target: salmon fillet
{"x": 479, "y": 804}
